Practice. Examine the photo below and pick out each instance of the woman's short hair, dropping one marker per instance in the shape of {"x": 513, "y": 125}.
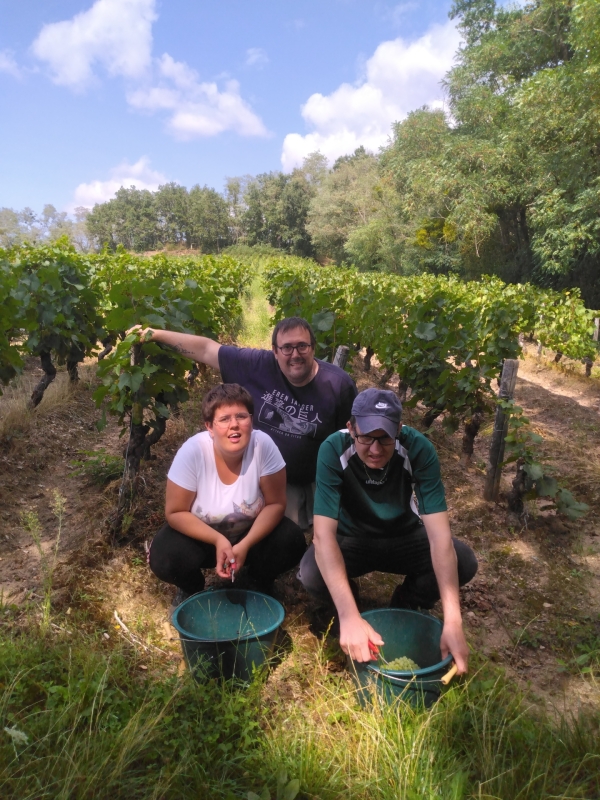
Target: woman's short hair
{"x": 225, "y": 394}
{"x": 288, "y": 324}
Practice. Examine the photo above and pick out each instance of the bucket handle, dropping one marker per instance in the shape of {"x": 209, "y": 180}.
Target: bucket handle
{"x": 445, "y": 679}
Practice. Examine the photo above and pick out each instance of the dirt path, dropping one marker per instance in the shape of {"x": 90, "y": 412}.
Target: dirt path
{"x": 34, "y": 466}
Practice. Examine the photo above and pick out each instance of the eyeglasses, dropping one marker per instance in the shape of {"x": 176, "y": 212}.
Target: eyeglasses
{"x": 225, "y": 422}
{"x": 288, "y": 349}
{"x": 384, "y": 441}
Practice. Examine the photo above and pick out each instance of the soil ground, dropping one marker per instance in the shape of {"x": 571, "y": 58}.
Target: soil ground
{"x": 534, "y": 606}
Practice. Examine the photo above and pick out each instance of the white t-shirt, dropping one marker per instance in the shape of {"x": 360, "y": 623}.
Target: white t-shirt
{"x": 231, "y": 509}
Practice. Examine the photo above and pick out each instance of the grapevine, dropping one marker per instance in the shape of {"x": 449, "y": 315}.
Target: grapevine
{"x": 57, "y": 308}
{"x": 143, "y": 383}
{"x": 445, "y": 338}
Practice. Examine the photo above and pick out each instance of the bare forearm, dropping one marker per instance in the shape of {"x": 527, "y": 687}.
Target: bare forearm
{"x": 333, "y": 570}
{"x": 357, "y": 637}
{"x": 443, "y": 556}
{"x": 198, "y": 348}
{"x": 444, "y": 561}
{"x": 187, "y": 523}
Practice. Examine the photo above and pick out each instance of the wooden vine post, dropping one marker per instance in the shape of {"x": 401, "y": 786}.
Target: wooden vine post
{"x": 341, "y": 356}
{"x": 588, "y": 361}
{"x": 508, "y": 381}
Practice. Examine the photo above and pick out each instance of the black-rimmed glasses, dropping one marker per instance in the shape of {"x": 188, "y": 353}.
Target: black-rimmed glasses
{"x": 384, "y": 441}
{"x": 288, "y": 349}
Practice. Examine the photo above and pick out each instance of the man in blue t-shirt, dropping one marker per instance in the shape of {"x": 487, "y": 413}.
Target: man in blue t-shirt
{"x": 298, "y": 399}
{"x": 380, "y": 506}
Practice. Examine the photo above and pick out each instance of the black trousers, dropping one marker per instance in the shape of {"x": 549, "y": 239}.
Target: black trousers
{"x": 178, "y": 559}
{"x": 406, "y": 554}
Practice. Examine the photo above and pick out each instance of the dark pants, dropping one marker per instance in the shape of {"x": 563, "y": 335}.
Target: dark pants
{"x": 408, "y": 554}
{"x": 179, "y": 559}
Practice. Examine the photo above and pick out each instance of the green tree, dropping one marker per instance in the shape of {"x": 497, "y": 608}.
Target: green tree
{"x": 511, "y": 186}
{"x": 234, "y": 197}
{"x": 351, "y": 216}
{"x": 171, "y": 203}
{"x": 208, "y": 220}
{"x": 130, "y": 219}
{"x": 277, "y": 209}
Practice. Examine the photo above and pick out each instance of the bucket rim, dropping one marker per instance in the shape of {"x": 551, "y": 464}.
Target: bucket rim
{"x": 374, "y": 611}
{"x": 402, "y": 674}
{"x": 409, "y": 675}
{"x": 254, "y": 634}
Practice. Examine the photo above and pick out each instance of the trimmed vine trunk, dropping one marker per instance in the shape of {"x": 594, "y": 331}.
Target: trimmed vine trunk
{"x": 519, "y": 489}
{"x": 402, "y": 390}
{"x": 558, "y": 356}
{"x": 589, "y": 363}
{"x": 386, "y": 376}
{"x": 141, "y": 439}
{"x": 158, "y": 429}
{"x": 133, "y": 454}
{"x": 72, "y": 370}
{"x": 108, "y": 346}
{"x": 193, "y": 373}
{"x": 49, "y": 375}
{"x": 472, "y": 426}
{"x": 129, "y": 485}
{"x": 368, "y": 356}
{"x": 430, "y": 416}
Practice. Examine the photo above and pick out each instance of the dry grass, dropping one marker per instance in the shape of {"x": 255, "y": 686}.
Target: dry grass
{"x": 15, "y": 414}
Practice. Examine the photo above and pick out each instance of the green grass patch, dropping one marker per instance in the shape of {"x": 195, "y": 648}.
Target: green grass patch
{"x": 79, "y": 718}
{"x": 256, "y": 324}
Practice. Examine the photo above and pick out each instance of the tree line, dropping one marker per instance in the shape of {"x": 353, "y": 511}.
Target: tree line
{"x": 505, "y": 181}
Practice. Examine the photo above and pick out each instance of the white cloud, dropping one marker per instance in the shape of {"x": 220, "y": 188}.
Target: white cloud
{"x": 256, "y": 57}
{"x": 197, "y": 108}
{"x": 399, "y": 77}
{"x": 8, "y": 64}
{"x": 139, "y": 175}
{"x": 116, "y": 34}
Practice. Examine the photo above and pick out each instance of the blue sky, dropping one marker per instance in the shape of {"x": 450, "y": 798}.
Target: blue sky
{"x": 98, "y": 94}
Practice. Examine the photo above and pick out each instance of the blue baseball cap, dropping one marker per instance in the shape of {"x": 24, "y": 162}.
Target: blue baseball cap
{"x": 377, "y": 408}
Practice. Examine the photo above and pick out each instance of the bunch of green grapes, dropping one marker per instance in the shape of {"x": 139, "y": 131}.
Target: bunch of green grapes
{"x": 401, "y": 664}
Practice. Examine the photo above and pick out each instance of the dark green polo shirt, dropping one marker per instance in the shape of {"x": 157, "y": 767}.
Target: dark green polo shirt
{"x": 413, "y": 486}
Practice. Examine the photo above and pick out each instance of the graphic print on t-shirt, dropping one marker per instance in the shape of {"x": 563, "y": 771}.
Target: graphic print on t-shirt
{"x": 236, "y": 522}
{"x": 284, "y": 414}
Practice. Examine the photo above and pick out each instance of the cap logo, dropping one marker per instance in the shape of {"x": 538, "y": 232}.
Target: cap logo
{"x": 382, "y": 405}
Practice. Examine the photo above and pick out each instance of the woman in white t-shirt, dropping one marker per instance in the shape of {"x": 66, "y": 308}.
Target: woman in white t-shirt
{"x": 225, "y": 500}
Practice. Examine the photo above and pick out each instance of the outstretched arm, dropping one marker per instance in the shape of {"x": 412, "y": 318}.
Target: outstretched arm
{"x": 198, "y": 348}
{"x": 443, "y": 556}
{"x": 355, "y": 632}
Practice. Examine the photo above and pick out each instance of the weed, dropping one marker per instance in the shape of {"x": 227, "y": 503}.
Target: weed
{"x": 98, "y": 466}
{"x": 528, "y": 637}
{"x": 31, "y": 523}
{"x": 580, "y": 641}
{"x": 285, "y": 790}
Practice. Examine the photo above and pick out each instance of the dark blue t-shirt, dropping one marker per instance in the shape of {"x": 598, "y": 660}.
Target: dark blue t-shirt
{"x": 297, "y": 418}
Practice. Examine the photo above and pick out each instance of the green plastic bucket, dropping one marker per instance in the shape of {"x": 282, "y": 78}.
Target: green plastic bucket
{"x": 405, "y": 633}
{"x": 227, "y": 633}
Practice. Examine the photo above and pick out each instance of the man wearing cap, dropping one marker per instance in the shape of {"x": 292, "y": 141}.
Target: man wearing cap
{"x": 380, "y": 505}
